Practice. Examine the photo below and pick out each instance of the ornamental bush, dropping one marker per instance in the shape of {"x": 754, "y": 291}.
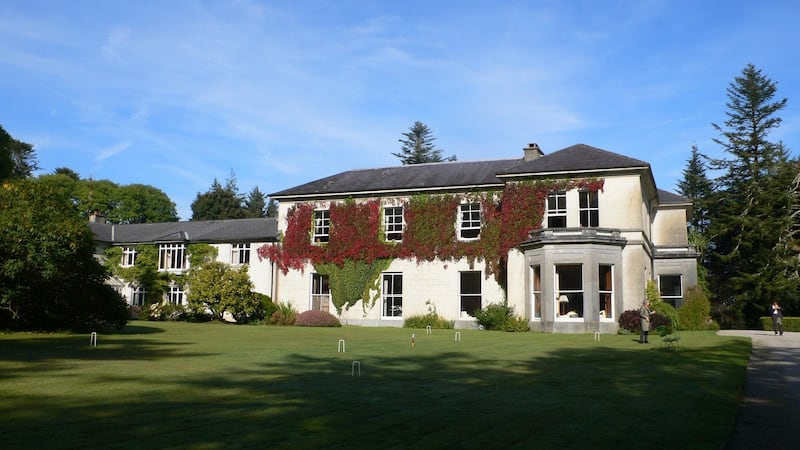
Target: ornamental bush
{"x": 285, "y": 314}
{"x": 316, "y": 318}
{"x": 630, "y": 322}
{"x": 430, "y": 319}
{"x": 500, "y": 317}
{"x": 695, "y": 313}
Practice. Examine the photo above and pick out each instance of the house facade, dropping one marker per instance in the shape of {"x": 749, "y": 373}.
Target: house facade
{"x": 236, "y": 243}
{"x": 569, "y": 239}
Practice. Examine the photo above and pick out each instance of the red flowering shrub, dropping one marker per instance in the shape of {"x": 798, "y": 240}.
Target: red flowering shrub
{"x": 316, "y": 318}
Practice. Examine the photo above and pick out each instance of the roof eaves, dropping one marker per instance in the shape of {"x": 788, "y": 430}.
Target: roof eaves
{"x": 387, "y": 192}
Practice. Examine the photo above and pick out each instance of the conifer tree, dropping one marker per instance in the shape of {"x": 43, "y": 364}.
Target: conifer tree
{"x": 418, "y": 146}
{"x": 750, "y": 211}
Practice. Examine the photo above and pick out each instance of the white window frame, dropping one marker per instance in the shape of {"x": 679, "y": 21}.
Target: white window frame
{"x": 240, "y": 254}
{"x": 321, "y": 226}
{"x": 320, "y": 292}
{"x": 138, "y": 296}
{"x": 557, "y": 208}
{"x": 393, "y": 223}
{"x": 562, "y": 309}
{"x": 128, "y": 257}
{"x": 608, "y": 293}
{"x": 470, "y": 219}
{"x": 536, "y": 294}
{"x": 172, "y": 257}
{"x": 391, "y": 295}
{"x": 469, "y": 295}
{"x": 175, "y": 295}
{"x": 673, "y": 300}
{"x": 589, "y": 208}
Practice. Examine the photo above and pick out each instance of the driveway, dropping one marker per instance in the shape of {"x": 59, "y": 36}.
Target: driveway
{"x": 769, "y": 410}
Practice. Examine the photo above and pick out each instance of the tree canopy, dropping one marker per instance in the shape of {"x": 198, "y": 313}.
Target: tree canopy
{"x": 418, "y": 146}
{"x": 17, "y": 158}
{"x": 750, "y": 259}
{"x": 49, "y": 278}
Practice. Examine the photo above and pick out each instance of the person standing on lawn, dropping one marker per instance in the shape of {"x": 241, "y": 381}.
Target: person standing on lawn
{"x": 777, "y": 318}
{"x": 644, "y": 318}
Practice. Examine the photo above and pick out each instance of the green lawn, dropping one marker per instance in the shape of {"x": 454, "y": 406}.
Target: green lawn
{"x": 181, "y": 385}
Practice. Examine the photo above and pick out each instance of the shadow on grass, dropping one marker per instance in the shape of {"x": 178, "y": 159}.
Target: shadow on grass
{"x": 596, "y": 398}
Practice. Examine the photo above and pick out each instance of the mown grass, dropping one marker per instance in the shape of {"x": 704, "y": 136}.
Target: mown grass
{"x": 181, "y": 385}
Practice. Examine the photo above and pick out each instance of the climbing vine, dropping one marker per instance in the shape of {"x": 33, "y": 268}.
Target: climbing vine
{"x": 356, "y": 253}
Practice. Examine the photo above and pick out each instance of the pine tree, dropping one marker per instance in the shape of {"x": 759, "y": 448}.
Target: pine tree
{"x": 697, "y": 187}
{"x": 750, "y": 211}
{"x": 418, "y": 146}
{"x": 256, "y": 203}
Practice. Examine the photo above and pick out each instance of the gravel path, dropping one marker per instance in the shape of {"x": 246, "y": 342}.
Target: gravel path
{"x": 769, "y": 411}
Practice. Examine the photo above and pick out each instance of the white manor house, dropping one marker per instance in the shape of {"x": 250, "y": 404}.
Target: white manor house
{"x": 604, "y": 230}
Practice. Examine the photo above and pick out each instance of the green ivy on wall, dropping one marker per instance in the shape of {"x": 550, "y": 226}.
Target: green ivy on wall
{"x": 356, "y": 253}
{"x": 145, "y": 271}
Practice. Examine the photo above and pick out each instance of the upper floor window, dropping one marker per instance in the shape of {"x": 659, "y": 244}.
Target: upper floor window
{"x": 469, "y": 226}
{"x": 393, "y": 223}
{"x": 322, "y": 226}
{"x": 128, "y": 257}
{"x": 589, "y": 211}
{"x": 240, "y": 254}
{"x": 557, "y": 210}
{"x": 171, "y": 257}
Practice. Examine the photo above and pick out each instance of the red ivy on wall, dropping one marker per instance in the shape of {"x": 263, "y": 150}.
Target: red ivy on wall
{"x": 430, "y": 232}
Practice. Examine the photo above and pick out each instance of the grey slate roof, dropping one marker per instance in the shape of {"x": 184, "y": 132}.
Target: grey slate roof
{"x": 460, "y": 175}
{"x": 668, "y": 198}
{"x": 232, "y": 230}
{"x": 576, "y": 158}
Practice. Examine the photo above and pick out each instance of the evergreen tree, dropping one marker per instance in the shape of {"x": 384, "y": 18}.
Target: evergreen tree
{"x": 272, "y": 208}
{"x": 17, "y": 158}
{"x": 697, "y": 187}
{"x": 219, "y": 203}
{"x": 418, "y": 146}
{"x": 256, "y": 203}
{"x": 750, "y": 211}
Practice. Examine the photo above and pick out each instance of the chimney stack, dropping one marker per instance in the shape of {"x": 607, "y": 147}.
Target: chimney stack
{"x": 532, "y": 151}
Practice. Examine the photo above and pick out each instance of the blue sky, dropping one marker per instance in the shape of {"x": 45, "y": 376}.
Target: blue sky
{"x": 177, "y": 93}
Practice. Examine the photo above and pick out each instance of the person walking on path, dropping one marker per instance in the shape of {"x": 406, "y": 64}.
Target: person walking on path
{"x": 777, "y": 318}
{"x": 644, "y": 318}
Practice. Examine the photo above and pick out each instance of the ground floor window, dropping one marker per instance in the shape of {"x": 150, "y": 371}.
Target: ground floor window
{"x": 138, "y": 296}
{"x": 392, "y": 295}
{"x": 320, "y": 292}
{"x": 606, "y": 291}
{"x": 671, "y": 289}
{"x": 175, "y": 295}
{"x": 536, "y": 273}
{"x": 470, "y": 292}
{"x": 569, "y": 290}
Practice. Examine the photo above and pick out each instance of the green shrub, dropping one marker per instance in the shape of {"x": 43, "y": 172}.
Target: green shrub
{"x": 285, "y": 314}
{"x": 630, "y": 322}
{"x": 316, "y": 318}
{"x": 789, "y": 323}
{"x": 432, "y": 320}
{"x": 501, "y": 317}
{"x": 695, "y": 313}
